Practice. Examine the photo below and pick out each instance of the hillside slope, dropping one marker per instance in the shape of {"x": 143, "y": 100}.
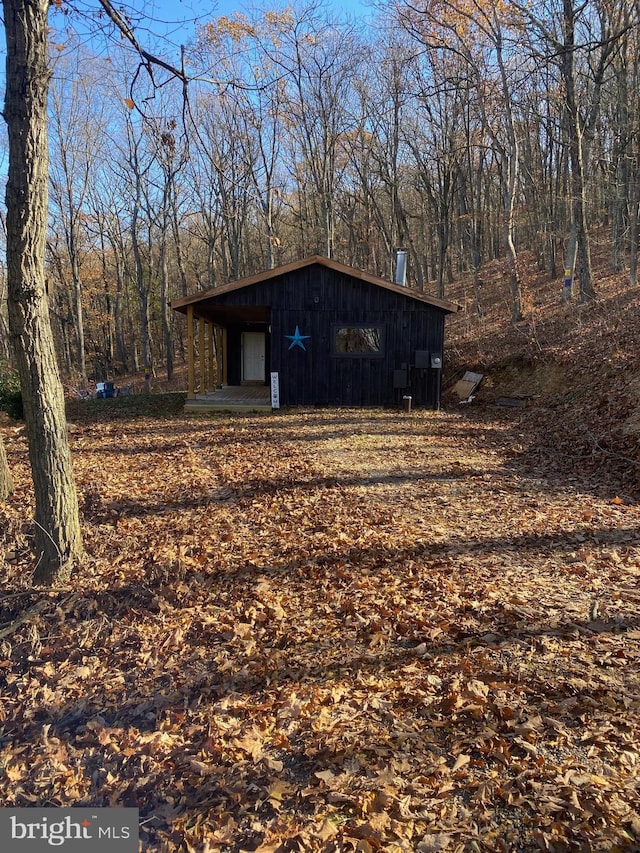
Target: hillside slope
{"x": 572, "y": 369}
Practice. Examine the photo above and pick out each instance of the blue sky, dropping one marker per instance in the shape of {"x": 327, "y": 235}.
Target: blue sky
{"x": 162, "y": 26}
{"x": 178, "y": 19}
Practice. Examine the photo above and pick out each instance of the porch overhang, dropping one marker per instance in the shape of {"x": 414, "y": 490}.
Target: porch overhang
{"x": 226, "y": 315}
{"x": 208, "y": 325}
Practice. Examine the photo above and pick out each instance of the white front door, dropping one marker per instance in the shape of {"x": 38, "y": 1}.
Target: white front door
{"x": 253, "y": 352}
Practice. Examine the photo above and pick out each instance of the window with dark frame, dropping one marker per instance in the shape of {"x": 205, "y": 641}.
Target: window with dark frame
{"x": 350, "y": 340}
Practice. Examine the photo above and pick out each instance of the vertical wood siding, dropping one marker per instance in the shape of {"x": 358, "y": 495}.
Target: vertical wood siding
{"x": 316, "y": 299}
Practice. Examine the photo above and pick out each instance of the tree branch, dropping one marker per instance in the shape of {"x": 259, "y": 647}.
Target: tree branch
{"x": 37, "y": 608}
{"x": 118, "y": 21}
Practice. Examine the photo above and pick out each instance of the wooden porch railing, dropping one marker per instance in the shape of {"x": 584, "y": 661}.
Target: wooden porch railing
{"x": 211, "y": 355}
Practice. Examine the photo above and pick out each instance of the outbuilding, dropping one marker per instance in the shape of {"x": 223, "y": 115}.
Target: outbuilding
{"x": 316, "y": 332}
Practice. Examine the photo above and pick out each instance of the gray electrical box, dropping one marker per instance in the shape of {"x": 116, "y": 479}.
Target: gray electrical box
{"x": 421, "y": 359}
{"x": 400, "y": 379}
{"x": 436, "y": 362}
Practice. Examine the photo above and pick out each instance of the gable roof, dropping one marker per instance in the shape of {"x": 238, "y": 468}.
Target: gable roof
{"x": 182, "y": 303}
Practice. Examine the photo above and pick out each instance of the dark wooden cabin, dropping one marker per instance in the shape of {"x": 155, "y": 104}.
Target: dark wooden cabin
{"x": 317, "y": 332}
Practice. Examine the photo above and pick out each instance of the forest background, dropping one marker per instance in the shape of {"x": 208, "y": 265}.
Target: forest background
{"x": 329, "y": 629}
{"x": 464, "y": 132}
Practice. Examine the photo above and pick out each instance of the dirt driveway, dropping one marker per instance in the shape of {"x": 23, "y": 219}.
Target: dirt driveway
{"x": 333, "y": 630}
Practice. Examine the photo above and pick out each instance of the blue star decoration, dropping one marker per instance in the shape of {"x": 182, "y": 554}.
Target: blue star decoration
{"x": 296, "y": 339}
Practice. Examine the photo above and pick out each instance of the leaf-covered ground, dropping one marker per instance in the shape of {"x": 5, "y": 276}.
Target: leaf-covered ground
{"x": 330, "y": 630}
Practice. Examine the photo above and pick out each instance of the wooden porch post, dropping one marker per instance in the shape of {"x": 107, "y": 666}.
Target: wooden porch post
{"x": 223, "y": 350}
{"x": 218, "y": 355}
{"x": 203, "y": 364}
{"x": 211, "y": 384}
{"x": 191, "y": 387}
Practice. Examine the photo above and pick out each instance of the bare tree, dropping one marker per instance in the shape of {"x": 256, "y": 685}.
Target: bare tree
{"x": 172, "y": 155}
{"x": 435, "y": 135}
{"x": 249, "y": 121}
{"x": 139, "y": 173}
{"x": 58, "y": 543}
{"x": 582, "y": 39}
{"x": 477, "y": 34}
{"x": 385, "y": 107}
{"x": 6, "y": 481}
{"x": 57, "y": 539}
{"x": 317, "y": 61}
{"x": 74, "y": 140}
{"x": 4, "y": 327}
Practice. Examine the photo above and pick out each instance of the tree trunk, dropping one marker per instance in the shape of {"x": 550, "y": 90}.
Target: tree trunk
{"x": 634, "y": 203}
{"x": 57, "y": 536}
{"x": 509, "y": 189}
{"x": 6, "y": 481}
{"x": 510, "y": 167}
{"x": 585, "y": 276}
{"x": 165, "y": 307}
{"x": 78, "y": 310}
{"x": 5, "y": 354}
{"x": 570, "y": 264}
{"x": 177, "y": 239}
{"x": 576, "y": 155}
{"x": 143, "y": 293}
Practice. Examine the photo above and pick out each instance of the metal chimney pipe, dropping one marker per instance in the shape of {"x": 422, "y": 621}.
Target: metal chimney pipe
{"x": 401, "y": 267}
